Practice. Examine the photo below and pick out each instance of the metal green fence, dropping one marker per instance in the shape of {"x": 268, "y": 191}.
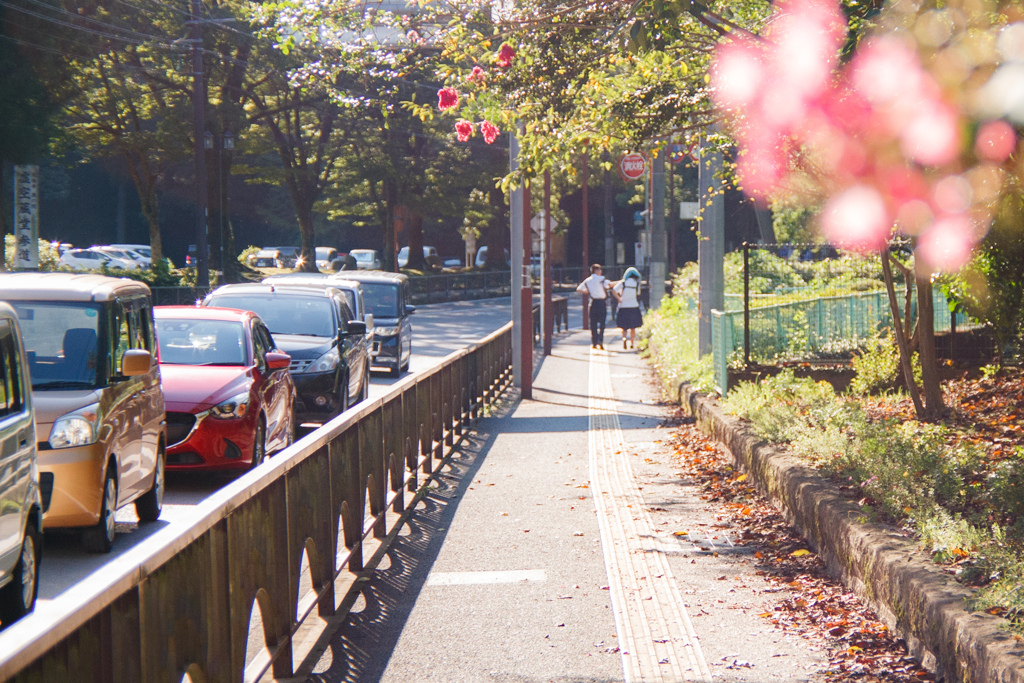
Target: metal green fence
{"x": 820, "y": 328}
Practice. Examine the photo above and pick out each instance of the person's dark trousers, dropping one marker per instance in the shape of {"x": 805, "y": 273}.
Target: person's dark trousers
{"x": 598, "y": 313}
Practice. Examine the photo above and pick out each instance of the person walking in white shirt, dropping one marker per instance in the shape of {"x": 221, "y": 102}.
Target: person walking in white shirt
{"x": 627, "y": 292}
{"x": 596, "y": 286}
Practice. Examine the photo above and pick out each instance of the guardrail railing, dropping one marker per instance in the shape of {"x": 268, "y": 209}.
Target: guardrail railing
{"x": 182, "y": 601}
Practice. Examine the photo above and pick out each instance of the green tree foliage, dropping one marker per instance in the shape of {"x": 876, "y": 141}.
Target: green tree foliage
{"x": 991, "y": 288}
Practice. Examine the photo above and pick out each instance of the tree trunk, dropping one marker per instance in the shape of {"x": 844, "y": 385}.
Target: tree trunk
{"x": 213, "y": 199}
{"x": 304, "y": 214}
{"x": 934, "y": 405}
{"x": 151, "y": 212}
{"x": 414, "y": 235}
{"x": 388, "y": 256}
{"x": 901, "y": 338}
{"x": 497, "y": 232}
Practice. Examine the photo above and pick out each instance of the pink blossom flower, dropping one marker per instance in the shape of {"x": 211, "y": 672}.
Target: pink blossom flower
{"x": 932, "y": 136}
{"x": 464, "y": 129}
{"x": 857, "y": 219}
{"x": 505, "y": 55}
{"x": 477, "y": 75}
{"x": 947, "y": 244}
{"x": 995, "y": 141}
{"x": 489, "y": 131}
{"x": 737, "y": 74}
{"x": 447, "y": 98}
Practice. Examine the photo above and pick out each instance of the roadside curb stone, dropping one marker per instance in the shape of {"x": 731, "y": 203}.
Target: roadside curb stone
{"x": 920, "y": 603}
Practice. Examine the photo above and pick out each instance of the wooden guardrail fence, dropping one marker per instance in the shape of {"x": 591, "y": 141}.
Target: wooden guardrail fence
{"x": 181, "y": 601}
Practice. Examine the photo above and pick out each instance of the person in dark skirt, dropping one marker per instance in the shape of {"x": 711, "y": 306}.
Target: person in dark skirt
{"x": 627, "y": 293}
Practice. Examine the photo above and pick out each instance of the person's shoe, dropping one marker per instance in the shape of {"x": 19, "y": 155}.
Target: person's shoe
{"x": 601, "y": 346}
{"x": 623, "y": 343}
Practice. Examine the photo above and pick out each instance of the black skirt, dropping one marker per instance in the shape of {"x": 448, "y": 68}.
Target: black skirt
{"x": 628, "y": 318}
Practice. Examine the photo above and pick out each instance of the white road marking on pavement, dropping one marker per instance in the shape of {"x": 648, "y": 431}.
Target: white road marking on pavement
{"x": 656, "y": 636}
{"x": 471, "y": 578}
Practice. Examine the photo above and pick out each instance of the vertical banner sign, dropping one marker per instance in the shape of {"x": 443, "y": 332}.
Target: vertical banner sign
{"x": 26, "y": 217}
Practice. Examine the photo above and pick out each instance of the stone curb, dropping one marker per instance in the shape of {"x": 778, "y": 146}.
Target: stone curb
{"x": 921, "y": 604}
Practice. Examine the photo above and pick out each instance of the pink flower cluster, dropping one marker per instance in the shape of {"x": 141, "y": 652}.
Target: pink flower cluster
{"x": 464, "y": 131}
{"x": 878, "y": 136}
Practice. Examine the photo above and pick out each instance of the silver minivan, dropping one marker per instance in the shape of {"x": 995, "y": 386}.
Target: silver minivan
{"x": 21, "y": 504}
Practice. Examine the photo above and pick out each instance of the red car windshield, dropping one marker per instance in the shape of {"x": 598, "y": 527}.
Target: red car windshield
{"x": 201, "y": 342}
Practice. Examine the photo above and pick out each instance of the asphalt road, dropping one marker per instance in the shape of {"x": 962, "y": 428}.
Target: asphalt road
{"x": 438, "y": 330}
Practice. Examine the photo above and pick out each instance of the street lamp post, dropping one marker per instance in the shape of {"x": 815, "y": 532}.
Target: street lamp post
{"x": 205, "y": 248}
{"x": 227, "y": 145}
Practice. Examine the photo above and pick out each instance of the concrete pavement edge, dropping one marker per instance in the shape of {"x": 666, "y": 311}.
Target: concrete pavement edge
{"x": 919, "y": 602}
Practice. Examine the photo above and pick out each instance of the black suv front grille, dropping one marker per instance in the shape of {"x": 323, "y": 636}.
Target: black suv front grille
{"x": 179, "y": 426}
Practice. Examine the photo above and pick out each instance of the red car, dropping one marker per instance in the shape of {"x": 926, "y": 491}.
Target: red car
{"x": 227, "y": 388}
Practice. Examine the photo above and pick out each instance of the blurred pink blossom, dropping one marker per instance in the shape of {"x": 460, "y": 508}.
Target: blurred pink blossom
{"x": 505, "y": 55}
{"x": 489, "y": 131}
{"x": 447, "y": 98}
{"x": 464, "y": 130}
{"x": 878, "y": 134}
{"x": 857, "y": 219}
{"x": 477, "y": 75}
{"x": 995, "y": 141}
{"x": 947, "y": 244}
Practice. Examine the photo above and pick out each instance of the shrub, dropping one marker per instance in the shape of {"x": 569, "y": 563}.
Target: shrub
{"x": 250, "y": 250}
{"x": 877, "y": 367}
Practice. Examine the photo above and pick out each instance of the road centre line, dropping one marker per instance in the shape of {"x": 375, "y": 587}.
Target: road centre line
{"x": 656, "y": 637}
{"x": 477, "y": 578}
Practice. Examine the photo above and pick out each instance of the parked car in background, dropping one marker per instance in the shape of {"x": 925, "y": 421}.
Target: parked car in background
{"x": 317, "y": 328}
{"x": 352, "y": 290}
{"x": 481, "y": 257}
{"x": 191, "y": 260}
{"x": 328, "y": 258}
{"x": 366, "y": 259}
{"x": 93, "y": 259}
{"x": 288, "y": 257}
{"x": 97, "y": 399}
{"x": 227, "y": 389}
{"x": 403, "y": 255}
{"x": 124, "y": 255}
{"x": 387, "y": 300}
{"x": 265, "y": 258}
{"x": 141, "y": 252}
{"x": 21, "y": 501}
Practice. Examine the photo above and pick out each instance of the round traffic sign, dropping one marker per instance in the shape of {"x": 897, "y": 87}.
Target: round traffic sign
{"x": 632, "y": 165}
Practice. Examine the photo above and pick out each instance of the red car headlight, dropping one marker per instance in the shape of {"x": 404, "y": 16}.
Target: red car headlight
{"x": 234, "y": 407}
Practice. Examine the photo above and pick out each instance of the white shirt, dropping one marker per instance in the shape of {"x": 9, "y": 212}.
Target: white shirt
{"x": 595, "y": 285}
{"x": 627, "y": 290}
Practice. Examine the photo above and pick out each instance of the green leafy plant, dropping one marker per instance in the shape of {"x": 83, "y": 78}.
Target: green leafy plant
{"x": 877, "y": 367}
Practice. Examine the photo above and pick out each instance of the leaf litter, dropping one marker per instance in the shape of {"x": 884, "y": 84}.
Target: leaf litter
{"x": 810, "y": 603}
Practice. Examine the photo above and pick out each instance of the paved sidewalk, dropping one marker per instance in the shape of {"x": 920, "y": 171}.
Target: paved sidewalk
{"x": 548, "y": 552}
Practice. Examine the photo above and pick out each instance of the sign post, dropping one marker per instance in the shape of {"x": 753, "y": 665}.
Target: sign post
{"x": 26, "y": 217}
{"x": 632, "y": 166}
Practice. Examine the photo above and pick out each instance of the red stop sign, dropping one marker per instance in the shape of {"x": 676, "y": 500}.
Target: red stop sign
{"x": 632, "y": 165}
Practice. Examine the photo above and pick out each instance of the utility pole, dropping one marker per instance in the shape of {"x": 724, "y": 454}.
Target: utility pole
{"x": 609, "y": 222}
{"x": 547, "y": 321}
{"x": 526, "y": 297}
{"x": 711, "y": 245}
{"x": 515, "y": 211}
{"x": 199, "y": 126}
{"x": 586, "y": 238}
{"x": 659, "y": 249}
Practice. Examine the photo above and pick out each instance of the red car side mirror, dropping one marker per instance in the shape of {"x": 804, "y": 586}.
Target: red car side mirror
{"x": 278, "y": 361}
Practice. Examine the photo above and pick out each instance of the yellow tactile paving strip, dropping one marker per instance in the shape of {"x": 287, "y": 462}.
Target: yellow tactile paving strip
{"x": 655, "y": 634}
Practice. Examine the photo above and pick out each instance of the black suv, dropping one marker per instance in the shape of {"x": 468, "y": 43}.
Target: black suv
{"x": 315, "y": 326}
{"x": 387, "y": 296}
